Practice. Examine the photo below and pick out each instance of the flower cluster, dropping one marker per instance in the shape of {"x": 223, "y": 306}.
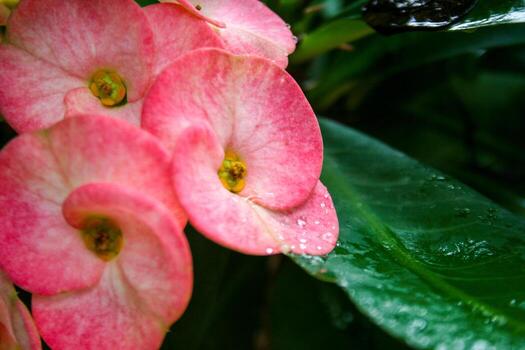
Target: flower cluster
{"x": 133, "y": 121}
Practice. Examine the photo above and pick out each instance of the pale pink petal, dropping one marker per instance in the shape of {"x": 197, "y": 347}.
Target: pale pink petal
{"x": 238, "y": 223}
{"x": 222, "y": 216}
{"x": 255, "y": 108}
{"x": 31, "y": 90}
{"x": 311, "y": 228}
{"x": 82, "y": 37}
{"x": 177, "y": 32}
{"x": 143, "y": 290}
{"x": 155, "y": 258}
{"x": 81, "y": 101}
{"x": 39, "y": 250}
{"x": 249, "y": 27}
{"x": 17, "y": 329}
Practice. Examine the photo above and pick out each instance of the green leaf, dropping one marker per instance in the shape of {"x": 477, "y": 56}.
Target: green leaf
{"x": 378, "y": 57}
{"x": 330, "y": 36}
{"x": 492, "y": 12}
{"x": 425, "y": 257}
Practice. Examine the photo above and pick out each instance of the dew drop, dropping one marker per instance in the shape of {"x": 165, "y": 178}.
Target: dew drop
{"x": 316, "y": 222}
{"x": 327, "y": 236}
{"x": 302, "y": 246}
{"x": 270, "y": 250}
{"x": 302, "y": 240}
{"x": 323, "y": 205}
{"x": 301, "y": 222}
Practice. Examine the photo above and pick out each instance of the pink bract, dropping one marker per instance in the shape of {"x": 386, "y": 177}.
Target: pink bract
{"x": 246, "y": 27}
{"x": 17, "y": 329}
{"x": 51, "y": 56}
{"x": 54, "y": 180}
{"x": 219, "y": 103}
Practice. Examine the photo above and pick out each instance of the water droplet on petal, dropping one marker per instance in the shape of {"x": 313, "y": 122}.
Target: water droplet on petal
{"x": 301, "y": 222}
{"x": 327, "y": 236}
{"x": 270, "y": 250}
{"x": 323, "y": 205}
{"x": 316, "y": 222}
{"x": 302, "y": 246}
{"x": 302, "y": 240}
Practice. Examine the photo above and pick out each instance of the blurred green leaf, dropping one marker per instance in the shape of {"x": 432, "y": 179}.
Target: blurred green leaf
{"x": 146, "y": 2}
{"x": 332, "y": 35}
{"x": 378, "y": 57}
{"x": 425, "y": 257}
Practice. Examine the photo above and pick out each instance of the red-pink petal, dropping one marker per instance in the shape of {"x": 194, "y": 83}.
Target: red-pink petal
{"x": 143, "y": 290}
{"x": 4, "y": 15}
{"x": 239, "y": 223}
{"x": 17, "y": 329}
{"x": 82, "y": 37}
{"x": 177, "y": 32}
{"x": 81, "y": 101}
{"x": 39, "y": 250}
{"x": 249, "y": 27}
{"x": 255, "y": 108}
{"x": 31, "y": 90}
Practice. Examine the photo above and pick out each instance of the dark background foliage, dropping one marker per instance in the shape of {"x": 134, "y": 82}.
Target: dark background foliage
{"x": 453, "y": 100}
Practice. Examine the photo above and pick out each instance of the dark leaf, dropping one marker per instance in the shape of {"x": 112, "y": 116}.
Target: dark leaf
{"x": 425, "y": 257}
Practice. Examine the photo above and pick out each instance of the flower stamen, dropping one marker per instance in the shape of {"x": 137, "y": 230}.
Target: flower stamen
{"x": 108, "y": 87}
{"x": 102, "y": 236}
{"x": 232, "y": 172}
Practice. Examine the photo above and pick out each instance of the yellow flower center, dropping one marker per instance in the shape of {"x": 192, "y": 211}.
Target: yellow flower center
{"x": 108, "y": 87}
{"x": 102, "y": 236}
{"x": 233, "y": 172}
{"x": 10, "y": 3}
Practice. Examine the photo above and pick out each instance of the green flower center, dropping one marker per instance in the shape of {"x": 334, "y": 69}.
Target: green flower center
{"x": 102, "y": 236}
{"x": 108, "y": 87}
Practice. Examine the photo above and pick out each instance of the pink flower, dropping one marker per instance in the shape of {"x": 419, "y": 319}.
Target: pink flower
{"x": 247, "y": 153}
{"x": 246, "y": 27}
{"x": 91, "y": 226}
{"x": 17, "y": 329}
{"x": 72, "y": 57}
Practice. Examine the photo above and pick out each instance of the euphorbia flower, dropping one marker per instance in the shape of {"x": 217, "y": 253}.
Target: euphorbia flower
{"x": 247, "y": 153}
{"x": 17, "y": 329}
{"x": 91, "y": 226}
{"x": 246, "y": 27}
{"x": 78, "y": 56}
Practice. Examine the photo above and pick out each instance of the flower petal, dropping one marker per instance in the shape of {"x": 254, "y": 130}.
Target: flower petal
{"x": 81, "y": 37}
{"x": 177, "y": 32}
{"x": 143, "y": 290}
{"x": 81, "y": 101}
{"x": 39, "y": 250}
{"x": 222, "y": 216}
{"x": 255, "y": 108}
{"x": 17, "y": 328}
{"x": 238, "y": 223}
{"x": 249, "y": 27}
{"x": 31, "y": 90}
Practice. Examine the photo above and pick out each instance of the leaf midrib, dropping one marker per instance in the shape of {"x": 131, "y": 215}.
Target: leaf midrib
{"x": 401, "y": 254}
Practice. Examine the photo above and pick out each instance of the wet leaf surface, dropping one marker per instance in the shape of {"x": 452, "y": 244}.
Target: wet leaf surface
{"x": 425, "y": 257}
{"x": 390, "y": 16}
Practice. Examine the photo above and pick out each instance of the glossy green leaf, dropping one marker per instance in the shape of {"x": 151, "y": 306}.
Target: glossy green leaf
{"x": 425, "y": 257}
{"x": 492, "y": 12}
